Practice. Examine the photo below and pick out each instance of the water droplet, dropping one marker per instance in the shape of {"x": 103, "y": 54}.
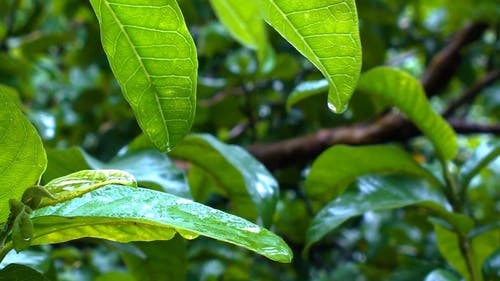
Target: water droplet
{"x": 254, "y": 229}
{"x": 335, "y": 109}
{"x": 186, "y": 234}
{"x": 183, "y": 201}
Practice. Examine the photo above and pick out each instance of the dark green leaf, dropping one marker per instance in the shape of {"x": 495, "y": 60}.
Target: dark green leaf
{"x": 164, "y": 260}
{"x": 326, "y": 33}
{"x": 406, "y": 93}
{"x": 154, "y": 59}
{"x": 335, "y": 168}
{"x": 251, "y": 188}
{"x": 22, "y": 157}
{"x": 149, "y": 167}
{"x": 76, "y": 184}
{"x": 19, "y": 272}
{"x": 373, "y": 193}
{"x": 125, "y": 214}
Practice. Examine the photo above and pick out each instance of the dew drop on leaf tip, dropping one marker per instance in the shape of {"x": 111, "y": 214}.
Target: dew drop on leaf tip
{"x": 335, "y": 110}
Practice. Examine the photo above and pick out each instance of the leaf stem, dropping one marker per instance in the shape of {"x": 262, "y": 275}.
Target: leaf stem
{"x": 452, "y": 190}
{"x": 466, "y": 250}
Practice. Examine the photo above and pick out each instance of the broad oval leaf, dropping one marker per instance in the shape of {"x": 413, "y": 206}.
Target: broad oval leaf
{"x": 125, "y": 214}
{"x": 441, "y": 275}
{"x": 305, "y": 90}
{"x": 149, "y": 167}
{"x": 406, "y": 93}
{"x": 449, "y": 248}
{"x": 154, "y": 60}
{"x": 251, "y": 188}
{"x": 325, "y": 32}
{"x": 77, "y": 184}
{"x": 340, "y": 165}
{"x": 373, "y": 193}
{"x": 245, "y": 23}
{"x": 22, "y": 156}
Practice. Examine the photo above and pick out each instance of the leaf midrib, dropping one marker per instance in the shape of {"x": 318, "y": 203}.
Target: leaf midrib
{"x": 141, "y": 63}
{"x": 321, "y": 65}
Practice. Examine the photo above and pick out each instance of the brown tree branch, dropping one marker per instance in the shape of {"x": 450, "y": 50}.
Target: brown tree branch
{"x": 471, "y": 93}
{"x": 390, "y": 127}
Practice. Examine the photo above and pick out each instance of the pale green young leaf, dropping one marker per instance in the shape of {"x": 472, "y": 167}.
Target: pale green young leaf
{"x": 406, "y": 93}
{"x": 448, "y": 245}
{"x": 250, "y": 187}
{"x": 77, "y": 184}
{"x": 153, "y": 57}
{"x": 325, "y": 32}
{"x": 22, "y": 156}
{"x": 244, "y": 21}
{"x": 340, "y": 165}
{"x": 306, "y": 89}
{"x": 125, "y": 214}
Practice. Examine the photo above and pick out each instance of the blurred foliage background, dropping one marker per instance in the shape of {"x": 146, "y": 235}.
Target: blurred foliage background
{"x": 50, "y": 51}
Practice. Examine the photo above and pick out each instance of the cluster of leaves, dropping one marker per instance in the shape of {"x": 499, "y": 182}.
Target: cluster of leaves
{"x": 237, "y": 78}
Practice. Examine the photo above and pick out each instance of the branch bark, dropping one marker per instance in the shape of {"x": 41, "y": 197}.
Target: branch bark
{"x": 390, "y": 127}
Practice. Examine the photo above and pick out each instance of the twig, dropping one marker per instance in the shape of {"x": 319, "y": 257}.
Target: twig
{"x": 470, "y": 94}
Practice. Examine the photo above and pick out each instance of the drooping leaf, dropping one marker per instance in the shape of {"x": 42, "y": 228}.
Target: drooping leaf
{"x": 406, "y": 93}
{"x": 441, "y": 275}
{"x": 373, "y": 193}
{"x": 335, "y": 168}
{"x": 305, "y": 90}
{"x": 77, "y": 184}
{"x": 20, "y": 273}
{"x": 484, "y": 154}
{"x": 158, "y": 254}
{"x": 245, "y": 23}
{"x": 22, "y": 157}
{"x": 153, "y": 57}
{"x": 125, "y": 214}
{"x": 325, "y": 32}
{"x": 149, "y": 167}
{"x": 251, "y": 188}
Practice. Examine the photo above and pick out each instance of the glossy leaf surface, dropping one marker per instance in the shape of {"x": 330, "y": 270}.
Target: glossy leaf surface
{"x": 406, "y": 93}
{"x": 483, "y": 155}
{"x": 149, "y": 167}
{"x": 22, "y": 156}
{"x": 326, "y": 33}
{"x": 125, "y": 214}
{"x": 77, "y": 184}
{"x": 153, "y": 57}
{"x": 251, "y": 188}
{"x": 305, "y": 90}
{"x": 441, "y": 275}
{"x": 335, "y": 168}
{"x": 373, "y": 193}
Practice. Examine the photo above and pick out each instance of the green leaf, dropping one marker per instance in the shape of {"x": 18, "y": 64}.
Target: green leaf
{"x": 22, "y": 157}
{"x": 154, "y": 60}
{"x": 406, "y": 93}
{"x": 484, "y": 245}
{"x": 125, "y": 214}
{"x": 325, "y": 32}
{"x": 20, "y": 273}
{"x": 305, "y": 90}
{"x": 373, "y": 193}
{"x": 113, "y": 276}
{"x": 338, "y": 166}
{"x": 77, "y": 184}
{"x": 252, "y": 189}
{"x": 449, "y": 248}
{"x": 158, "y": 254}
{"x": 244, "y": 21}
{"x": 441, "y": 275}
{"x": 484, "y": 154}
{"x": 22, "y": 227}
{"x": 149, "y": 167}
